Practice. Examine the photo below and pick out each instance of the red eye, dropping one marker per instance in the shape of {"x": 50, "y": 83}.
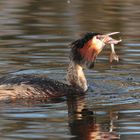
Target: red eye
{"x": 97, "y": 37}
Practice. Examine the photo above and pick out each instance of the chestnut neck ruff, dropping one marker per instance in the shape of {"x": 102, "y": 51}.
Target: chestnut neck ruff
{"x": 77, "y": 46}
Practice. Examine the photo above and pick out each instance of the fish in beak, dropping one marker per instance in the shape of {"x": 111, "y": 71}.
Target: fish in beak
{"x": 106, "y": 39}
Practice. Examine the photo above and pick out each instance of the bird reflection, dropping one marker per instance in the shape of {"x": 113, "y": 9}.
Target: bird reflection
{"x": 84, "y": 123}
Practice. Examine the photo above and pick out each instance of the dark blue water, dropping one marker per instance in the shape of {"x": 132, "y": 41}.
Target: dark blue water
{"x": 34, "y": 38}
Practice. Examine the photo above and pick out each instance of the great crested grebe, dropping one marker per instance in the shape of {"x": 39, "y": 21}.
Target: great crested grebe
{"x": 83, "y": 53}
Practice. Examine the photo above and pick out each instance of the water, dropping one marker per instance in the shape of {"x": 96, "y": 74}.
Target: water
{"x": 34, "y": 36}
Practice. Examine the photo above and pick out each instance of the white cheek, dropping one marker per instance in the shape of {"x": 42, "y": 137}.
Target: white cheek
{"x": 98, "y": 42}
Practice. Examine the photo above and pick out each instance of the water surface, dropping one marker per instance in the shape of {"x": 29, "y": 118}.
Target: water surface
{"x": 34, "y": 38}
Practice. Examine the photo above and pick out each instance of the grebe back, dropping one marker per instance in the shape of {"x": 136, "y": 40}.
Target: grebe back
{"x": 83, "y": 53}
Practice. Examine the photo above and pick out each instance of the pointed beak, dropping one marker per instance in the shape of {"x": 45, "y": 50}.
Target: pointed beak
{"x": 109, "y": 40}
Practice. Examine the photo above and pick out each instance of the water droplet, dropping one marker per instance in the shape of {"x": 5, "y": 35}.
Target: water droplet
{"x": 68, "y": 1}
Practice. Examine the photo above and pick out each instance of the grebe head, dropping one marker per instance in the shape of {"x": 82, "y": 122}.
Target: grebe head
{"x": 85, "y": 50}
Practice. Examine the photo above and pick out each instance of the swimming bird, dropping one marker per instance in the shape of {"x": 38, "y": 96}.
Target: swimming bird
{"x": 83, "y": 53}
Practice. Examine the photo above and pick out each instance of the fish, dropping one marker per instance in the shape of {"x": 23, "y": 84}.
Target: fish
{"x": 113, "y": 55}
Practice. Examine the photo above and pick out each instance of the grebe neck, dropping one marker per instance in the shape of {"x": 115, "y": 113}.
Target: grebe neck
{"x": 76, "y": 76}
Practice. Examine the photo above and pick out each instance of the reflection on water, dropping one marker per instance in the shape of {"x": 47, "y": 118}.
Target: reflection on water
{"x": 34, "y": 36}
